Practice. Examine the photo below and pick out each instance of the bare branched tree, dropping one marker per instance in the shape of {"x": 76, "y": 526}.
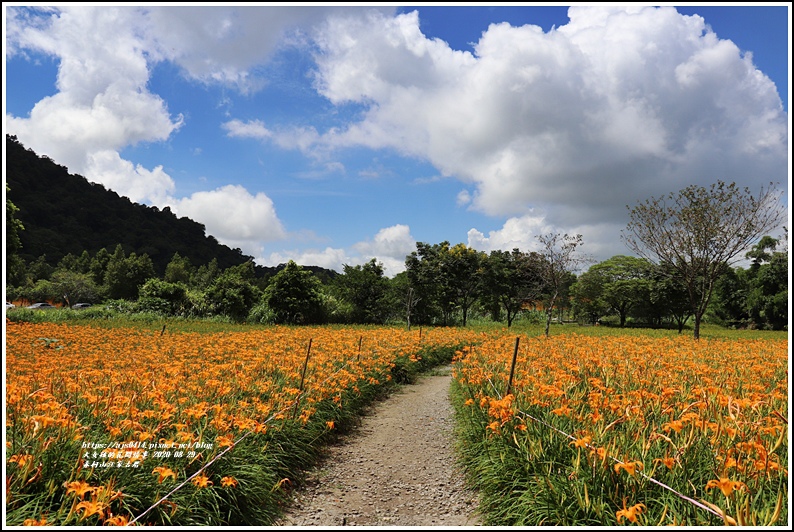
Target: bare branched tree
{"x": 701, "y": 232}
{"x": 560, "y": 258}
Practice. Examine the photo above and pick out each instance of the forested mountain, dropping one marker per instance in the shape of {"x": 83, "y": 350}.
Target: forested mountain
{"x": 64, "y": 213}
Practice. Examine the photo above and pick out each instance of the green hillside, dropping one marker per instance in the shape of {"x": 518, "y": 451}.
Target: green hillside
{"x": 64, "y": 213}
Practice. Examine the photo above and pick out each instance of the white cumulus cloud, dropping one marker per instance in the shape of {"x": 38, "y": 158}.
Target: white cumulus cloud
{"x": 620, "y": 104}
{"x": 518, "y": 232}
{"x": 234, "y": 216}
{"x": 389, "y": 247}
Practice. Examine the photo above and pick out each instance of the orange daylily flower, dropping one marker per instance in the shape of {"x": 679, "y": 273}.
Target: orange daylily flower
{"x": 202, "y": 481}
{"x": 600, "y": 452}
{"x": 676, "y": 425}
{"x": 630, "y": 513}
{"x": 163, "y": 472}
{"x": 630, "y": 467}
{"x": 582, "y": 442}
{"x": 229, "y": 482}
{"x": 224, "y": 441}
{"x": 668, "y": 461}
{"x": 79, "y": 487}
{"x": 20, "y": 459}
{"x": 726, "y": 486}
{"x": 330, "y": 425}
{"x": 118, "y": 520}
{"x": 634, "y": 382}
{"x": 90, "y": 508}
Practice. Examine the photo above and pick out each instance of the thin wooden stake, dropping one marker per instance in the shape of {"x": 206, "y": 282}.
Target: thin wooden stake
{"x": 512, "y": 367}
{"x": 163, "y": 331}
{"x": 303, "y": 378}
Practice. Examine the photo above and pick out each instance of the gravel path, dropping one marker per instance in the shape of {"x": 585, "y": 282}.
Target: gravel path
{"x": 397, "y": 468}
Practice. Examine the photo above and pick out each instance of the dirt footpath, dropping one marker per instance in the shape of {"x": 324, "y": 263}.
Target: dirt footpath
{"x": 398, "y": 468}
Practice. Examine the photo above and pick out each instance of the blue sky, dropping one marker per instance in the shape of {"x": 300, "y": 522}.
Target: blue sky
{"x": 332, "y": 134}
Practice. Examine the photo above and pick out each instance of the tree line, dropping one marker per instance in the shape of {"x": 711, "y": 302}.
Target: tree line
{"x": 441, "y": 285}
{"x": 686, "y": 245}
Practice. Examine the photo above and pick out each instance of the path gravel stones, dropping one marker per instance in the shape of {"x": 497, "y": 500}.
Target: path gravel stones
{"x": 397, "y": 468}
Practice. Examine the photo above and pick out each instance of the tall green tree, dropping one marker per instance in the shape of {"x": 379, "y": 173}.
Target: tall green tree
{"x": 462, "y": 270}
{"x": 206, "y": 274}
{"x": 401, "y": 297}
{"x": 729, "y": 302}
{"x": 513, "y": 280}
{"x": 702, "y": 231}
{"x": 99, "y": 266}
{"x": 626, "y": 283}
{"x": 179, "y": 270}
{"x": 40, "y": 269}
{"x": 444, "y": 279}
{"x": 233, "y": 294}
{"x": 365, "y": 287}
{"x": 669, "y": 295}
{"x": 588, "y": 296}
{"x": 126, "y": 274}
{"x": 422, "y": 268}
{"x": 13, "y": 226}
{"x": 294, "y": 296}
{"x": 767, "y": 297}
{"x": 74, "y": 287}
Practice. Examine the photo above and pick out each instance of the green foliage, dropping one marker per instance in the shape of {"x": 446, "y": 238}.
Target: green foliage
{"x": 163, "y": 296}
{"x": 589, "y": 304}
{"x": 231, "y": 294}
{"x": 40, "y": 269}
{"x": 512, "y": 280}
{"x": 125, "y": 274}
{"x": 767, "y": 297}
{"x": 13, "y": 226}
{"x": 63, "y": 256}
{"x": 729, "y": 307}
{"x": 154, "y": 305}
{"x": 701, "y": 231}
{"x": 336, "y": 309}
{"x": 294, "y": 296}
{"x": 16, "y": 272}
{"x": 74, "y": 287}
{"x": 261, "y": 313}
{"x": 617, "y": 285}
{"x": 179, "y": 270}
{"x": 364, "y": 288}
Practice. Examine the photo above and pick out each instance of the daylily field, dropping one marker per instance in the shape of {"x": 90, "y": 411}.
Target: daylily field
{"x": 618, "y": 429}
{"x": 141, "y": 425}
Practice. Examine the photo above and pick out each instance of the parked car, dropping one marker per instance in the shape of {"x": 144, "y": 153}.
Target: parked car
{"x": 81, "y": 305}
{"x": 10, "y": 305}
{"x": 42, "y": 306}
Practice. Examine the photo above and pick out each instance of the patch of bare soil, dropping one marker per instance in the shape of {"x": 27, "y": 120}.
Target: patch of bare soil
{"x": 397, "y": 468}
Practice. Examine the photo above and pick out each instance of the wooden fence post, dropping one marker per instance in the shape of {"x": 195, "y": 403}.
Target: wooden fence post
{"x": 303, "y": 378}
{"x": 512, "y": 367}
